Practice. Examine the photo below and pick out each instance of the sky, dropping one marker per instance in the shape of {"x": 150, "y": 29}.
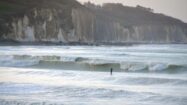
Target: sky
{"x": 174, "y": 8}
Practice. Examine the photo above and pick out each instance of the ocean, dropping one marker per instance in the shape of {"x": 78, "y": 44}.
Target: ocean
{"x": 80, "y": 75}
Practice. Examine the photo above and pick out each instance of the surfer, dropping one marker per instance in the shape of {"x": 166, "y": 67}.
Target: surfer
{"x": 111, "y": 70}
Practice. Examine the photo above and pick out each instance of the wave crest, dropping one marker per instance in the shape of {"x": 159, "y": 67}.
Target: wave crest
{"x": 31, "y": 60}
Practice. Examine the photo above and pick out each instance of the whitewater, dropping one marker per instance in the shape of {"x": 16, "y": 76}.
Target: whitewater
{"x": 80, "y": 75}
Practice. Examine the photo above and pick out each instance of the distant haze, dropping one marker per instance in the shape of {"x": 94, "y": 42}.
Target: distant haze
{"x": 174, "y": 8}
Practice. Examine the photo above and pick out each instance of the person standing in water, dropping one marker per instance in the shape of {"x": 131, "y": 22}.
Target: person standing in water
{"x": 111, "y": 71}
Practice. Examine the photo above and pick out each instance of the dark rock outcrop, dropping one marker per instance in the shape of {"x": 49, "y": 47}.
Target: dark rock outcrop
{"x": 68, "y": 21}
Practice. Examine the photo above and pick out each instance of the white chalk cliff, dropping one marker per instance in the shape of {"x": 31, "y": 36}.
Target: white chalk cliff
{"x": 68, "y": 21}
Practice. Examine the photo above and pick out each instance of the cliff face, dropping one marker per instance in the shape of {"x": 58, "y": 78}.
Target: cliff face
{"x": 117, "y": 23}
{"x": 68, "y": 21}
{"x": 42, "y": 20}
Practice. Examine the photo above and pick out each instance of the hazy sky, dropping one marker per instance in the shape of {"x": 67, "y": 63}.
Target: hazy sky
{"x": 174, "y": 8}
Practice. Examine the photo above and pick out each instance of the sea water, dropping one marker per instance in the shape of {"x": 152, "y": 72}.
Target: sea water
{"x": 80, "y": 75}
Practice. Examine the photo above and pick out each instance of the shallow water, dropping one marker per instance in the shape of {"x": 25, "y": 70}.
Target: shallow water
{"x": 79, "y": 75}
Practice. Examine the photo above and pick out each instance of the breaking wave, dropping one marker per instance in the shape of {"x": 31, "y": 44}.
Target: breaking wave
{"x": 134, "y": 66}
{"x": 31, "y": 60}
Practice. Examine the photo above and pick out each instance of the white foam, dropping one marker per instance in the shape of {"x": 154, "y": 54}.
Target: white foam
{"x": 100, "y": 55}
{"x": 137, "y": 67}
{"x": 133, "y": 66}
{"x": 158, "y": 67}
{"x": 97, "y": 61}
{"x": 68, "y": 59}
{"x": 18, "y": 63}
